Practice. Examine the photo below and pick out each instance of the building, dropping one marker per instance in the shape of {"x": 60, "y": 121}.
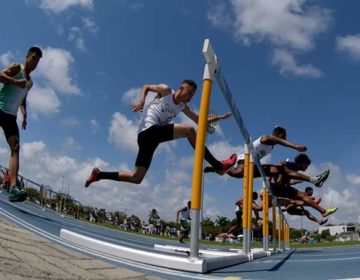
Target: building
{"x": 344, "y": 232}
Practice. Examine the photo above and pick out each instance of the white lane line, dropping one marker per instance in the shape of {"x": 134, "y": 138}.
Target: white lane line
{"x": 55, "y": 238}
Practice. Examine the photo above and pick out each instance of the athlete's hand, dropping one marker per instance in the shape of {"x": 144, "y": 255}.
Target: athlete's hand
{"x": 301, "y": 148}
{"x": 225, "y": 116}
{"x": 21, "y": 83}
{"x": 24, "y": 124}
{"x": 138, "y": 106}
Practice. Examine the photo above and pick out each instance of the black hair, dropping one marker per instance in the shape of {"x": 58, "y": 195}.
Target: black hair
{"x": 255, "y": 195}
{"x": 190, "y": 83}
{"x": 307, "y": 189}
{"x": 302, "y": 158}
{"x": 278, "y": 129}
{"x": 35, "y": 50}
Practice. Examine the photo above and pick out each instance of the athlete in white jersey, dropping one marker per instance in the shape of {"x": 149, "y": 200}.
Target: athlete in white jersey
{"x": 17, "y": 83}
{"x": 156, "y": 127}
{"x": 263, "y": 146}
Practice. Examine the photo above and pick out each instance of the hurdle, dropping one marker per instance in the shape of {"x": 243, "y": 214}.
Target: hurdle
{"x": 213, "y": 72}
{"x": 192, "y": 259}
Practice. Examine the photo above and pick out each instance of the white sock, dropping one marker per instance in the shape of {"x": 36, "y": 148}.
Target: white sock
{"x": 313, "y": 179}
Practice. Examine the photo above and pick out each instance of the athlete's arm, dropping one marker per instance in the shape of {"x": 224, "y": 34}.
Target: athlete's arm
{"x": 273, "y": 140}
{"x": 161, "y": 90}
{"x": 195, "y": 117}
{"x": 24, "y": 113}
{"x": 178, "y": 212}
{"x": 6, "y": 76}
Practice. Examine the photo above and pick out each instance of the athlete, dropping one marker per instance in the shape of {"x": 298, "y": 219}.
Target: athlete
{"x": 155, "y": 127}
{"x": 183, "y": 215}
{"x": 280, "y": 183}
{"x": 16, "y": 85}
{"x": 263, "y": 146}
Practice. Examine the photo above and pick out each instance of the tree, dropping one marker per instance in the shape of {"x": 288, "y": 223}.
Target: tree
{"x": 33, "y": 194}
{"x": 207, "y": 222}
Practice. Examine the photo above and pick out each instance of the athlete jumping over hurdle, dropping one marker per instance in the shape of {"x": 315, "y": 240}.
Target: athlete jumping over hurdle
{"x": 263, "y": 146}
{"x": 155, "y": 127}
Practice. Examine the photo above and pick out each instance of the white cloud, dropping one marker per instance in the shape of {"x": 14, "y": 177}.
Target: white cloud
{"x": 282, "y": 22}
{"x": 287, "y": 24}
{"x": 59, "y": 6}
{"x": 219, "y": 15}
{"x": 70, "y": 122}
{"x": 32, "y": 150}
{"x": 288, "y": 65}
{"x": 353, "y": 179}
{"x": 123, "y": 133}
{"x": 43, "y": 101}
{"x": 350, "y": 45}
{"x": 6, "y": 58}
{"x": 94, "y": 126}
{"x": 90, "y": 25}
{"x": 76, "y": 36}
{"x": 55, "y": 67}
{"x": 131, "y": 95}
{"x": 70, "y": 143}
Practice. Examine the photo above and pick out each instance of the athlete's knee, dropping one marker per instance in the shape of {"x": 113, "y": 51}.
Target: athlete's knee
{"x": 14, "y": 147}
{"x": 190, "y": 131}
{"x": 137, "y": 178}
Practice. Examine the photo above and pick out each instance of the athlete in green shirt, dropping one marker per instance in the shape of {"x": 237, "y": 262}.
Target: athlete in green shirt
{"x": 17, "y": 83}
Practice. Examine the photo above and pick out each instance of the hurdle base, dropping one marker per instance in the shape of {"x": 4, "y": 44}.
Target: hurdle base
{"x": 207, "y": 261}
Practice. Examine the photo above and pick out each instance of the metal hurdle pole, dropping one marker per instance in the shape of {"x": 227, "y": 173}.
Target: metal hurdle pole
{"x": 274, "y": 231}
{"x": 245, "y": 198}
{"x": 209, "y": 70}
{"x": 249, "y": 205}
{"x": 265, "y": 223}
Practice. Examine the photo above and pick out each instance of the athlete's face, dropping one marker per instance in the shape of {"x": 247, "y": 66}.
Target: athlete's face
{"x": 303, "y": 166}
{"x": 186, "y": 92}
{"x": 32, "y": 61}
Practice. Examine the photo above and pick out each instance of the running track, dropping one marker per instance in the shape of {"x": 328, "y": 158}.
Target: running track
{"x": 321, "y": 263}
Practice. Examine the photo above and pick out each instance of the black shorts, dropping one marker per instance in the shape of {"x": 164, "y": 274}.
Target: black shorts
{"x": 238, "y": 217}
{"x": 149, "y": 139}
{"x": 284, "y": 191}
{"x": 299, "y": 211}
{"x": 9, "y": 125}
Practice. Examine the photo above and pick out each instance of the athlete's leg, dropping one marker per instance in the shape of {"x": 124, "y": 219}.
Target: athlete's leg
{"x": 14, "y": 145}
{"x": 187, "y": 131}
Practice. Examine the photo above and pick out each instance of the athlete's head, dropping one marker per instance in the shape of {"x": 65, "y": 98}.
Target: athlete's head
{"x": 32, "y": 58}
{"x": 309, "y": 191}
{"x": 187, "y": 90}
{"x": 255, "y": 195}
{"x": 279, "y": 131}
{"x": 302, "y": 161}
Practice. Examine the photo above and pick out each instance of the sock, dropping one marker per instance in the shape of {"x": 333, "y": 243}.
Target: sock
{"x": 213, "y": 161}
{"x": 108, "y": 175}
{"x": 313, "y": 179}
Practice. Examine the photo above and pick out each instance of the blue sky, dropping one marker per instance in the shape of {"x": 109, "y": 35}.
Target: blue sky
{"x": 293, "y": 63}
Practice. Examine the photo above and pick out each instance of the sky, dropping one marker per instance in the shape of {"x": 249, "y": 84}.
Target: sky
{"x": 292, "y": 63}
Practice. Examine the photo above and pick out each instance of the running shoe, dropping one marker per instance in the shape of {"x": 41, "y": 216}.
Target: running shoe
{"x": 330, "y": 211}
{"x": 93, "y": 177}
{"x": 322, "y": 178}
{"x": 227, "y": 164}
{"x": 15, "y": 195}
{"x": 323, "y": 222}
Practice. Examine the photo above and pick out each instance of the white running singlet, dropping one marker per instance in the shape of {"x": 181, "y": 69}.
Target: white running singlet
{"x": 160, "y": 111}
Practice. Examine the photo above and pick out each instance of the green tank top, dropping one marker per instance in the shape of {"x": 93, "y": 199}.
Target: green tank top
{"x": 11, "y": 96}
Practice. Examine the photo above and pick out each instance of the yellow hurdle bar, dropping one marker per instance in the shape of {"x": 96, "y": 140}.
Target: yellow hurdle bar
{"x": 245, "y": 198}
{"x": 200, "y": 146}
{"x": 198, "y": 167}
